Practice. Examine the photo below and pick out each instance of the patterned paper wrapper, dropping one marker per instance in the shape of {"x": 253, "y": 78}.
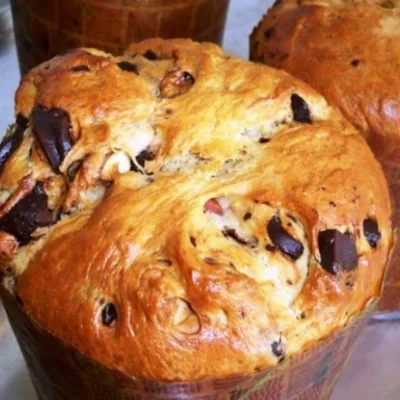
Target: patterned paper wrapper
{"x": 45, "y": 28}
{"x": 60, "y": 372}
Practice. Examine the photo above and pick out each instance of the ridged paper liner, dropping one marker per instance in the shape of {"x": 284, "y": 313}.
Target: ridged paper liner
{"x": 45, "y": 28}
{"x": 60, "y": 372}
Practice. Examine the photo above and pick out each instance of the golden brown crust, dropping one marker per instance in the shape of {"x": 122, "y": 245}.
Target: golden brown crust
{"x": 173, "y": 270}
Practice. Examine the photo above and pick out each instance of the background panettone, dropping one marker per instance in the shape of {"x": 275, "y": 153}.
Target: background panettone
{"x": 175, "y": 213}
{"x": 349, "y": 50}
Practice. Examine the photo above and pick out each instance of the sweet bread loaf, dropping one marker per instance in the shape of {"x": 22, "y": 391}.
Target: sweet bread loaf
{"x": 176, "y": 213}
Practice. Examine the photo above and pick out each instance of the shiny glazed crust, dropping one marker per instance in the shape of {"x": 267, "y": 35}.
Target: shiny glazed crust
{"x": 188, "y": 207}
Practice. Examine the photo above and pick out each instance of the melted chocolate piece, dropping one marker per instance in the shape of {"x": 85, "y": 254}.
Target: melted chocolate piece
{"x": 338, "y": 251}
{"x": 371, "y": 232}
{"x": 11, "y": 142}
{"x": 109, "y": 314}
{"x": 28, "y": 214}
{"x": 128, "y": 67}
{"x": 52, "y": 127}
{"x": 301, "y": 112}
{"x": 288, "y": 245}
{"x": 151, "y": 55}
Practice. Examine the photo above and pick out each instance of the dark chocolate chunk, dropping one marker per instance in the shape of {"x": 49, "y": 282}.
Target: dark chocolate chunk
{"x": 338, "y": 251}
{"x": 28, "y": 214}
{"x": 371, "y": 232}
{"x": 128, "y": 67}
{"x": 288, "y": 245}
{"x": 277, "y": 349}
{"x": 269, "y": 33}
{"x": 231, "y": 233}
{"x": 52, "y": 128}
{"x": 80, "y": 68}
{"x": 355, "y": 63}
{"x": 11, "y": 142}
{"x": 151, "y": 55}
{"x": 109, "y": 314}
{"x": 264, "y": 140}
{"x": 301, "y": 112}
{"x": 193, "y": 241}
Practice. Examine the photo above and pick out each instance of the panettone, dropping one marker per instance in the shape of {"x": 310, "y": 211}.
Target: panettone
{"x": 349, "y": 50}
{"x": 176, "y": 213}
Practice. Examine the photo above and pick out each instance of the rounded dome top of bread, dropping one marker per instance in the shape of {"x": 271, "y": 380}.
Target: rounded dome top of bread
{"x": 176, "y": 213}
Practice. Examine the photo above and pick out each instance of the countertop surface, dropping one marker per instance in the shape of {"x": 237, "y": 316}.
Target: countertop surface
{"x": 373, "y": 372}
